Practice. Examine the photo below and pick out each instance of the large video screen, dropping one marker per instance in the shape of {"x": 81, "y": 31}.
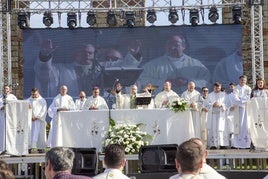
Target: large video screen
{"x": 84, "y": 58}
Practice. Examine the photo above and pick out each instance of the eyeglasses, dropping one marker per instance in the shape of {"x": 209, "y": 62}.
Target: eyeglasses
{"x": 82, "y": 97}
{"x": 205, "y": 90}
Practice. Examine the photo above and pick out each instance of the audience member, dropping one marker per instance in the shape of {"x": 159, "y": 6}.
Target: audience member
{"x": 5, "y": 172}
{"x": 189, "y": 160}
{"x": 242, "y": 94}
{"x": 191, "y": 96}
{"x": 215, "y": 104}
{"x": 59, "y": 164}
{"x": 166, "y": 97}
{"x": 79, "y": 103}
{"x": 95, "y": 101}
{"x": 38, "y": 128}
{"x": 114, "y": 160}
{"x": 62, "y": 102}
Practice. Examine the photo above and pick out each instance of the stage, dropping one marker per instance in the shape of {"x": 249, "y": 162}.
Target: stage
{"x": 232, "y": 163}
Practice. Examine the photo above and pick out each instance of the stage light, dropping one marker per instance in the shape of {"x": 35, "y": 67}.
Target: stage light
{"x": 194, "y": 16}
{"x": 173, "y": 15}
{"x": 47, "y": 19}
{"x": 130, "y": 18}
{"x": 213, "y": 15}
{"x": 111, "y": 18}
{"x": 151, "y": 16}
{"x": 23, "y": 20}
{"x": 91, "y": 18}
{"x": 71, "y": 20}
{"x": 237, "y": 14}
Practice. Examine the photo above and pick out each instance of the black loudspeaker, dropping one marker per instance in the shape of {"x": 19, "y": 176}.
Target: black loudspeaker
{"x": 158, "y": 158}
{"x": 85, "y": 161}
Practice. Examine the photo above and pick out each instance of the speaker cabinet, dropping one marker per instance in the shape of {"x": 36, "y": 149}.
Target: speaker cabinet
{"x": 85, "y": 161}
{"x": 158, "y": 158}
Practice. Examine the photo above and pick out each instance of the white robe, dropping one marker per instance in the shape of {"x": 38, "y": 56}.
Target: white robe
{"x": 216, "y": 124}
{"x": 192, "y": 98}
{"x": 79, "y": 104}
{"x": 9, "y": 97}
{"x": 164, "y": 68}
{"x": 38, "y": 128}
{"x": 169, "y": 96}
{"x": 241, "y": 97}
{"x": 59, "y": 101}
{"x": 97, "y": 102}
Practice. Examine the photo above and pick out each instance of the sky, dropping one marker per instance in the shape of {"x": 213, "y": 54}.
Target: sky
{"x": 162, "y": 17}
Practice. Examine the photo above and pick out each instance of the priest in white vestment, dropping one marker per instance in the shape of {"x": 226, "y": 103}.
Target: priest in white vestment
{"x": 125, "y": 101}
{"x": 62, "y": 102}
{"x": 4, "y": 98}
{"x": 38, "y": 128}
{"x": 166, "y": 97}
{"x": 79, "y": 103}
{"x": 175, "y": 66}
{"x": 242, "y": 94}
{"x": 216, "y": 124}
{"x": 95, "y": 101}
{"x": 191, "y": 96}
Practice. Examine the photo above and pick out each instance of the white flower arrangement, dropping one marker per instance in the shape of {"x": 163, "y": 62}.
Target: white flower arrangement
{"x": 179, "y": 105}
{"x": 129, "y": 136}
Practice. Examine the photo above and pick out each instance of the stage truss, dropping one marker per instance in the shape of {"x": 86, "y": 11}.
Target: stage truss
{"x": 83, "y": 6}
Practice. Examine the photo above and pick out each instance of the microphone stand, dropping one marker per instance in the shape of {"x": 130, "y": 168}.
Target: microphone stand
{"x": 108, "y": 97}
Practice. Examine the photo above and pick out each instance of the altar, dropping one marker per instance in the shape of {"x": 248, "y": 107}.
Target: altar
{"x": 87, "y": 129}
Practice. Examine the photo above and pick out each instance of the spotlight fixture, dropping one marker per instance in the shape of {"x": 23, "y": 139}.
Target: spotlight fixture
{"x": 111, "y": 18}
{"x": 23, "y": 20}
{"x": 48, "y": 19}
{"x": 91, "y": 18}
{"x": 151, "y": 16}
{"x": 194, "y": 16}
{"x": 173, "y": 15}
{"x": 71, "y": 20}
{"x": 237, "y": 14}
{"x": 213, "y": 14}
{"x": 130, "y": 18}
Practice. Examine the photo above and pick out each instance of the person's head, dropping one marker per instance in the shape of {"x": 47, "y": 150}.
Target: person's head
{"x": 191, "y": 86}
{"x": 217, "y": 87}
{"x": 63, "y": 90}
{"x": 223, "y": 89}
{"x": 242, "y": 80}
{"x": 113, "y": 55}
{"x": 95, "y": 91}
{"x": 232, "y": 86}
{"x": 205, "y": 91}
{"x": 82, "y": 95}
{"x": 189, "y": 157}
{"x": 167, "y": 86}
{"x": 58, "y": 159}
{"x": 114, "y": 156}
{"x": 200, "y": 143}
{"x": 7, "y": 89}
{"x": 133, "y": 89}
{"x": 35, "y": 93}
{"x": 3, "y": 165}
{"x": 85, "y": 55}
{"x": 175, "y": 46}
{"x": 6, "y": 174}
{"x": 260, "y": 84}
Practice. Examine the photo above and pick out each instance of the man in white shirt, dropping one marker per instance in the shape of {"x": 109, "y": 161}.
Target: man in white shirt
{"x": 38, "y": 128}
{"x": 114, "y": 160}
{"x": 166, "y": 97}
{"x": 79, "y": 103}
{"x": 192, "y": 96}
{"x": 95, "y": 101}
{"x": 62, "y": 102}
{"x": 189, "y": 160}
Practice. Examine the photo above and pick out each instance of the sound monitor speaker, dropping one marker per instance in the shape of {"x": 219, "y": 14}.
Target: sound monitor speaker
{"x": 85, "y": 161}
{"x": 158, "y": 158}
